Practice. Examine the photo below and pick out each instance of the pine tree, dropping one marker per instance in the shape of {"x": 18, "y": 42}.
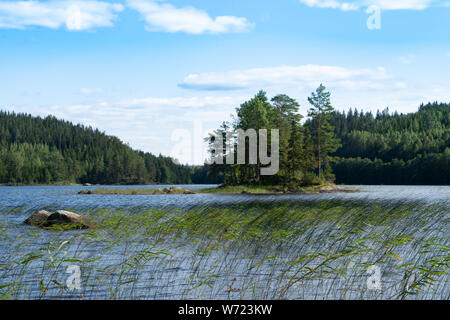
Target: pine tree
{"x": 320, "y": 112}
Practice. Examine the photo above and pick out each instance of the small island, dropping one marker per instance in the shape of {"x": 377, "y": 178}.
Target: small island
{"x": 272, "y": 190}
{"x": 227, "y": 189}
{"x": 138, "y": 191}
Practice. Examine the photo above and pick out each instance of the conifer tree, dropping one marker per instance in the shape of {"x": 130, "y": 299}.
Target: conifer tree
{"x": 323, "y": 131}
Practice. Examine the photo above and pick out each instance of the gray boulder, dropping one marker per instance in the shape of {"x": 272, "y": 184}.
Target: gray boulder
{"x": 62, "y": 218}
{"x": 67, "y": 217}
{"x": 39, "y": 218}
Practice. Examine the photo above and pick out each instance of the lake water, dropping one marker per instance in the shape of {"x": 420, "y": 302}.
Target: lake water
{"x": 175, "y": 276}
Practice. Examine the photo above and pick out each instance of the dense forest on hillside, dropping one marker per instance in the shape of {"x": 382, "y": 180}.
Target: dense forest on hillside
{"x": 34, "y": 150}
{"x": 393, "y": 148}
{"x": 349, "y": 148}
{"x": 355, "y": 148}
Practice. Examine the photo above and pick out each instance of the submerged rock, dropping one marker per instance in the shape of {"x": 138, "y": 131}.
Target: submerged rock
{"x": 60, "y": 219}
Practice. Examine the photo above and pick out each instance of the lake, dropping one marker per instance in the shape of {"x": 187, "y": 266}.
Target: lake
{"x": 319, "y": 256}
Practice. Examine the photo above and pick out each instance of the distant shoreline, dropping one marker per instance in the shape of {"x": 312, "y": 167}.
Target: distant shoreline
{"x": 98, "y": 185}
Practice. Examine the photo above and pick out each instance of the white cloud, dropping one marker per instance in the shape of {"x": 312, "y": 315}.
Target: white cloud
{"x": 165, "y": 17}
{"x": 332, "y": 4}
{"x": 383, "y": 4}
{"x": 300, "y": 76}
{"x": 71, "y": 14}
{"x": 403, "y": 4}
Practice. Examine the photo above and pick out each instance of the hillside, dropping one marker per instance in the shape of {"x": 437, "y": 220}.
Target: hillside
{"x": 394, "y": 148}
{"x": 384, "y": 148}
{"x": 36, "y": 150}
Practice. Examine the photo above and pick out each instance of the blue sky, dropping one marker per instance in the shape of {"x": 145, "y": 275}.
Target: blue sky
{"x": 147, "y": 70}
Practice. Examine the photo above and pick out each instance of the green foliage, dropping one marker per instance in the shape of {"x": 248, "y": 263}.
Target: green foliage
{"x": 323, "y": 131}
{"x": 275, "y": 250}
{"x": 299, "y": 145}
{"x": 394, "y": 148}
{"x": 45, "y": 151}
{"x": 382, "y": 149}
{"x": 351, "y": 148}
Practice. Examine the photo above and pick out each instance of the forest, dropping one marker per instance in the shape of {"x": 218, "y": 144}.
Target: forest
{"x": 399, "y": 149}
{"x": 324, "y": 145}
{"x": 346, "y": 148}
{"x": 36, "y": 150}
{"x": 304, "y": 150}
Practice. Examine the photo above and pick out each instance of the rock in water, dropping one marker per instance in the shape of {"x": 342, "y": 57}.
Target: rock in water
{"x": 39, "y": 218}
{"x": 65, "y": 219}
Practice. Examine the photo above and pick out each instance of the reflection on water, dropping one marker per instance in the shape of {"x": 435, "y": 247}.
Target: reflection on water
{"x": 176, "y": 268}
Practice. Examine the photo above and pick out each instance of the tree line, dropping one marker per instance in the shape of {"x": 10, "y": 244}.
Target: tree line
{"x": 346, "y": 147}
{"x": 35, "y": 150}
{"x": 392, "y": 148}
{"x": 352, "y": 147}
{"x": 304, "y": 149}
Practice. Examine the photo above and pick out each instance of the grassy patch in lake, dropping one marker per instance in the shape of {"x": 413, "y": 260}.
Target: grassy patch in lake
{"x": 138, "y": 191}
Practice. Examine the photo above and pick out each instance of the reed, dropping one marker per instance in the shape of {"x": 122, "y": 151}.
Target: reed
{"x": 295, "y": 250}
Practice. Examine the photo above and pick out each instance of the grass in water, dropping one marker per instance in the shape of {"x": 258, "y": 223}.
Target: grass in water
{"x": 138, "y": 191}
{"x": 295, "y": 250}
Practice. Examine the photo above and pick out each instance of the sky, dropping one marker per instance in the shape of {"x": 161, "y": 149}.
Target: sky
{"x": 160, "y": 74}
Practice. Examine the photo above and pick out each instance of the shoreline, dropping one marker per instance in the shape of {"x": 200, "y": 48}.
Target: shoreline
{"x": 248, "y": 189}
{"x": 276, "y": 190}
